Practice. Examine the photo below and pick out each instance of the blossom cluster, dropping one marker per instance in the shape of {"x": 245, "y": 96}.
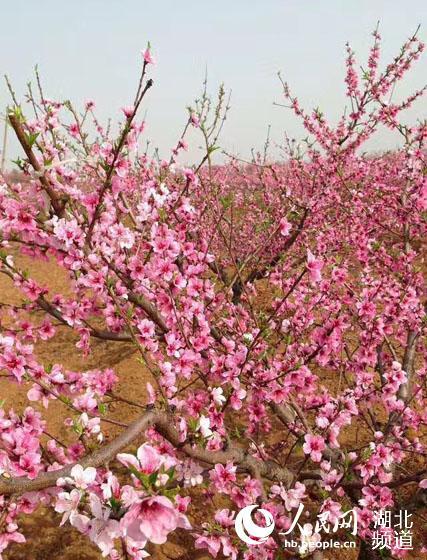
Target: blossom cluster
{"x": 278, "y": 310}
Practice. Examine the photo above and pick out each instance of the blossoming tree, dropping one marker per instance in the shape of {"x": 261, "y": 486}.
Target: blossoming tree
{"x": 279, "y": 310}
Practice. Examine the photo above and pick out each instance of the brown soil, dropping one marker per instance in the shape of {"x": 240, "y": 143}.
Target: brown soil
{"x": 45, "y": 539}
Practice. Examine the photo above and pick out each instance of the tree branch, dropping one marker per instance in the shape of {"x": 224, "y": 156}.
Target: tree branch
{"x": 164, "y": 425}
{"x": 57, "y": 204}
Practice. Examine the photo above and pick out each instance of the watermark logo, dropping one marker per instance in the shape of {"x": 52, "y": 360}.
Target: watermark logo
{"x": 307, "y": 537}
{"x": 246, "y": 528}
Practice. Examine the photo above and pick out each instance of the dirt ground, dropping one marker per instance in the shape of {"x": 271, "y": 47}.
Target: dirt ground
{"x": 45, "y": 539}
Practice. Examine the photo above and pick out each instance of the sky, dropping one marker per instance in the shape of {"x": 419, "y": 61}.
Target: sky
{"x": 91, "y": 49}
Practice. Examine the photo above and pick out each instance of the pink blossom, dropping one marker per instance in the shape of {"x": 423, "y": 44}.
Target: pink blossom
{"x": 153, "y": 519}
{"x": 225, "y": 517}
{"x": 128, "y": 111}
{"x": 314, "y": 267}
{"x": 147, "y": 460}
{"x": 102, "y": 529}
{"x": 195, "y": 121}
{"x": 80, "y": 477}
{"x": 148, "y": 57}
{"x": 211, "y": 542}
{"x": 313, "y": 446}
{"x": 285, "y": 227}
{"x": 223, "y": 476}
{"x": 67, "y": 503}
